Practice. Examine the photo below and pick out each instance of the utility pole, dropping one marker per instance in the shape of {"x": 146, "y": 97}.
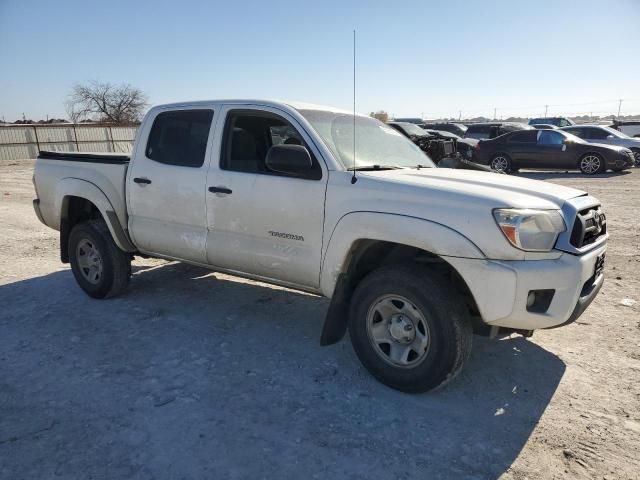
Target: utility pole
{"x": 546, "y": 107}
{"x": 460, "y": 115}
{"x": 494, "y": 113}
{"x": 619, "y": 107}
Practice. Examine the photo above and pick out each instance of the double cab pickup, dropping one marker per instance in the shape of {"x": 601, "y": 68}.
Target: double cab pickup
{"x": 414, "y": 258}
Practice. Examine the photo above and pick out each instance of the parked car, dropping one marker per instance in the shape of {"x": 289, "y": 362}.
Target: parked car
{"x": 483, "y": 131}
{"x": 627, "y": 127}
{"x": 557, "y": 121}
{"x": 414, "y": 258}
{"x": 544, "y": 126}
{"x": 436, "y": 147}
{"x": 606, "y": 135}
{"x": 457, "y": 128}
{"x": 550, "y": 149}
{"x": 464, "y": 146}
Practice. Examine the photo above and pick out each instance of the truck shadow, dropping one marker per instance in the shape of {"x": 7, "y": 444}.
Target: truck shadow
{"x": 192, "y": 372}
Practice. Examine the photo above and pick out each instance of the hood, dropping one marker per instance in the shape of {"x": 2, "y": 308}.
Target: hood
{"x": 487, "y": 189}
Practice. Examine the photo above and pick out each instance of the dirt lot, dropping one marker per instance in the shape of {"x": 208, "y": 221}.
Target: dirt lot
{"x": 193, "y": 374}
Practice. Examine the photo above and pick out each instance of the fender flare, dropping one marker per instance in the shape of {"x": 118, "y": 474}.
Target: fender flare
{"x": 75, "y": 187}
{"x": 421, "y": 233}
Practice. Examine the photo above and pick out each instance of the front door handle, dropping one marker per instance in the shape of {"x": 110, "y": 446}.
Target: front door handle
{"x": 220, "y": 190}
{"x": 146, "y": 181}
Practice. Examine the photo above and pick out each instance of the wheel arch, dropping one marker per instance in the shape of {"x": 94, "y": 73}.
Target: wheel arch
{"x": 351, "y": 255}
{"x": 79, "y": 200}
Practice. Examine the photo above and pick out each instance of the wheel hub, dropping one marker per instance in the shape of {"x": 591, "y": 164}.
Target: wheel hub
{"x": 402, "y": 329}
{"x": 89, "y": 261}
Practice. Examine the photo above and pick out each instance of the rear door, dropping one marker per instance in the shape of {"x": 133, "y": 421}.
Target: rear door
{"x": 259, "y": 221}
{"x": 522, "y": 147}
{"x": 167, "y": 183}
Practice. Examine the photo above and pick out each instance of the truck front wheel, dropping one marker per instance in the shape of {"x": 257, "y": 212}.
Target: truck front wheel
{"x": 101, "y": 269}
{"x": 409, "y": 328}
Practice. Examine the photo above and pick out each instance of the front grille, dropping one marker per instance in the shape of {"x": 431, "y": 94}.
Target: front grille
{"x": 589, "y": 226}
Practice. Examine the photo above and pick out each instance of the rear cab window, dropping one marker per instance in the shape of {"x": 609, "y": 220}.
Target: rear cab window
{"x": 180, "y": 137}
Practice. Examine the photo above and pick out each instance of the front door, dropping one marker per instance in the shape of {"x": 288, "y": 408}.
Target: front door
{"x": 259, "y": 221}
{"x": 552, "y": 151}
{"x": 166, "y": 185}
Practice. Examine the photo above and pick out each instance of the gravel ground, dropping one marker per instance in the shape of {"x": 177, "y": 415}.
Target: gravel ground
{"x": 193, "y": 374}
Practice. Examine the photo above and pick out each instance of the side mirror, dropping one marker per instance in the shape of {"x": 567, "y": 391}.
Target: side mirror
{"x": 290, "y": 159}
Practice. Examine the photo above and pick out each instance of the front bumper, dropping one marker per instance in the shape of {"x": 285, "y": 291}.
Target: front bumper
{"x": 501, "y": 288}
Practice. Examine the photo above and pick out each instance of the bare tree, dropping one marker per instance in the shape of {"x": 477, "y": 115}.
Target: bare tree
{"x": 380, "y": 115}
{"x": 106, "y": 102}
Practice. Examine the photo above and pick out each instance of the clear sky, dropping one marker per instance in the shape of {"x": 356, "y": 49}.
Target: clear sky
{"x": 413, "y": 57}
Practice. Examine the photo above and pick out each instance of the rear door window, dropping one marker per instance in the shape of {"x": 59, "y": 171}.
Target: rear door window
{"x": 180, "y": 137}
{"x": 596, "y": 134}
{"x": 478, "y": 131}
{"x": 524, "y": 136}
{"x": 578, "y": 132}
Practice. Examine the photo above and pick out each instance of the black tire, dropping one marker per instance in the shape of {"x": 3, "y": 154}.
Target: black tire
{"x": 449, "y": 327}
{"x": 636, "y": 156}
{"x": 114, "y": 264}
{"x": 500, "y": 162}
{"x": 582, "y": 164}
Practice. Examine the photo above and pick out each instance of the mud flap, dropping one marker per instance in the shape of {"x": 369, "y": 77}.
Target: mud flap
{"x": 335, "y": 323}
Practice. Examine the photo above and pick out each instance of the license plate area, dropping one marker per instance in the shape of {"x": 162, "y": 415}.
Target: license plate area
{"x": 599, "y": 266}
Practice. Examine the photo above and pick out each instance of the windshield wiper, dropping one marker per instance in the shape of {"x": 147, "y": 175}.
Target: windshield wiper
{"x": 373, "y": 167}
{"x": 419, "y": 166}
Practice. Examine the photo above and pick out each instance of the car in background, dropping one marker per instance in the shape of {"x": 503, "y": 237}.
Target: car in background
{"x": 436, "y": 147}
{"x": 482, "y": 131}
{"x": 550, "y": 149}
{"x": 544, "y": 126}
{"x": 457, "y": 128}
{"x": 606, "y": 135}
{"x": 630, "y": 128}
{"x": 464, "y": 146}
{"x": 557, "y": 121}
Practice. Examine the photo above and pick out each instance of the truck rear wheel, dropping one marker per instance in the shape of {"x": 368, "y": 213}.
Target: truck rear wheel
{"x": 101, "y": 269}
{"x": 409, "y": 329}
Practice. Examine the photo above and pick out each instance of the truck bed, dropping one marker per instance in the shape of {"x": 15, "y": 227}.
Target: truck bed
{"x": 57, "y": 174}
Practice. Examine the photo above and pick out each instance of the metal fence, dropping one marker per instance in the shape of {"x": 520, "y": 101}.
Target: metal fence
{"x": 25, "y": 141}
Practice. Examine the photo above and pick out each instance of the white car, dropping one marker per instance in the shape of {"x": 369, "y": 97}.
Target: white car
{"x": 606, "y": 135}
{"x": 414, "y": 258}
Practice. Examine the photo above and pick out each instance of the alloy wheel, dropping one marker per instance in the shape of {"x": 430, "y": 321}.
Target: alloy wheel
{"x": 500, "y": 163}
{"x": 590, "y": 164}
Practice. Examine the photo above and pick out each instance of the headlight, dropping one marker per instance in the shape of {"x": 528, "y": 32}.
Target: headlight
{"x": 532, "y": 230}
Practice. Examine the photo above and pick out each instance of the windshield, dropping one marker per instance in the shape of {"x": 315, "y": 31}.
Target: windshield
{"x": 376, "y": 143}
{"x": 412, "y": 129}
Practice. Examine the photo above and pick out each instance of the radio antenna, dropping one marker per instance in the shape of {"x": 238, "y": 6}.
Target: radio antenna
{"x": 353, "y": 178}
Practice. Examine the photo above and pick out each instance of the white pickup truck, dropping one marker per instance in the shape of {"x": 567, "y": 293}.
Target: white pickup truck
{"x": 414, "y": 258}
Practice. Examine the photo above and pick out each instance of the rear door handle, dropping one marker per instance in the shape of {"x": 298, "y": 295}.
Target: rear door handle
{"x": 220, "y": 190}
{"x": 146, "y": 181}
